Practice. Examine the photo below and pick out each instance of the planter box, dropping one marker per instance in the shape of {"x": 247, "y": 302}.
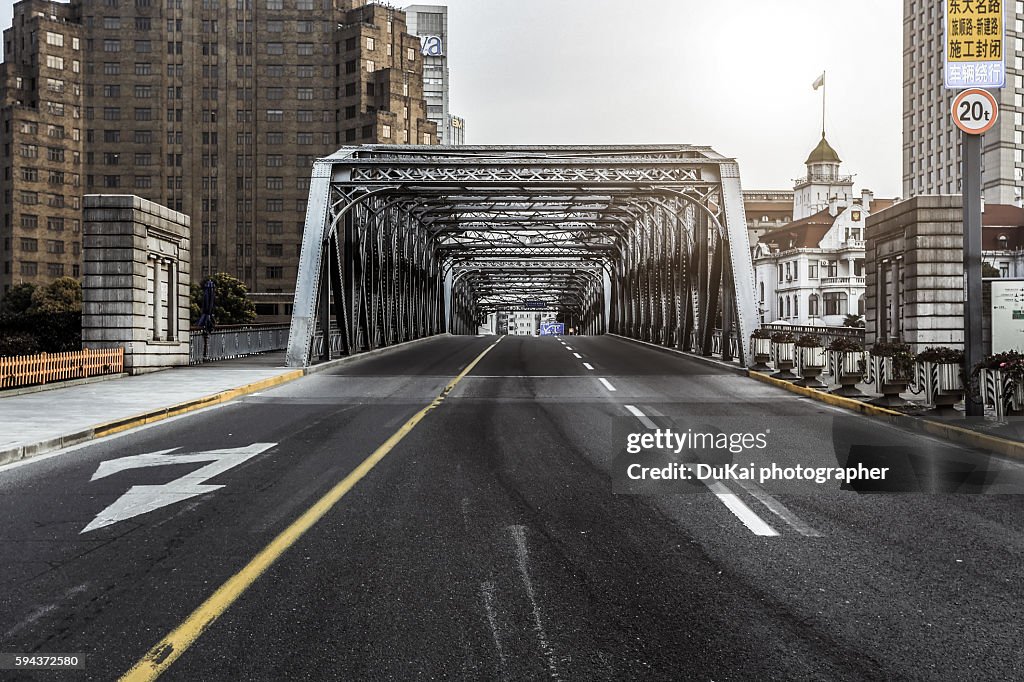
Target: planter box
{"x": 762, "y": 346}
{"x": 784, "y": 351}
{"x": 812, "y": 357}
{"x": 852, "y": 363}
{"x": 950, "y": 380}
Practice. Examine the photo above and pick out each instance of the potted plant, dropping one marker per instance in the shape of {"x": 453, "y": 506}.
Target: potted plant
{"x": 892, "y": 368}
{"x": 999, "y": 381}
{"x": 811, "y": 360}
{"x": 782, "y": 347}
{"x": 944, "y": 377}
{"x": 762, "y": 349}
{"x": 847, "y": 362}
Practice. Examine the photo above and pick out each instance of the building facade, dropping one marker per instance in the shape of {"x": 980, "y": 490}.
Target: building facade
{"x": 430, "y": 24}
{"x": 766, "y": 210}
{"x": 216, "y": 110}
{"x": 931, "y": 142}
{"x": 41, "y": 145}
{"x": 811, "y": 271}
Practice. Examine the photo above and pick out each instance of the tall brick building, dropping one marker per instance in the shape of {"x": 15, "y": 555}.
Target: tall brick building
{"x": 216, "y": 108}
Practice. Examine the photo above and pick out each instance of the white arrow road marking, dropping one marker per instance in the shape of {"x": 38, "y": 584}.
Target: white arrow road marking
{"x": 141, "y": 499}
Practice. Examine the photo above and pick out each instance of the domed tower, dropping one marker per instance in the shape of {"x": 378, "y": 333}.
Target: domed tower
{"x": 823, "y": 182}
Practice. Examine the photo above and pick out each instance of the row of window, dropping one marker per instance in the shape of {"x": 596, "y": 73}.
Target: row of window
{"x": 29, "y": 221}
{"x": 30, "y": 198}
{"x": 835, "y": 303}
{"x": 53, "y": 177}
{"x": 31, "y": 268}
{"x": 31, "y": 245}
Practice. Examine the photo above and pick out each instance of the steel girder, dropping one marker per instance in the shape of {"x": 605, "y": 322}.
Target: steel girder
{"x": 402, "y": 242}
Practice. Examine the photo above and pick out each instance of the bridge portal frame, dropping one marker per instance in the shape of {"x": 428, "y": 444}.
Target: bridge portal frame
{"x": 402, "y": 242}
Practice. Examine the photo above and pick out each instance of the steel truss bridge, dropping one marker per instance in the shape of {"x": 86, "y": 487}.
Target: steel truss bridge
{"x": 403, "y": 242}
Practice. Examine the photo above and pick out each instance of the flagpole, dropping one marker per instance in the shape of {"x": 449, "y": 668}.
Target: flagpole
{"x": 823, "y": 86}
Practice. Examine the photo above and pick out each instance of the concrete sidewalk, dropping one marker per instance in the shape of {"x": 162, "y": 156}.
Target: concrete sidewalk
{"x": 34, "y": 423}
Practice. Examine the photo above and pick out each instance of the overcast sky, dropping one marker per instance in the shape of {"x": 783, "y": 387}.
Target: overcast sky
{"x": 732, "y": 74}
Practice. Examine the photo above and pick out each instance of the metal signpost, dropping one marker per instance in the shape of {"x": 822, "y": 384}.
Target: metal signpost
{"x": 973, "y": 59}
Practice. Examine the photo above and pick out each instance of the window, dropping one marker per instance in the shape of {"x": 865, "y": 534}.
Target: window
{"x": 143, "y": 114}
{"x": 29, "y": 151}
{"x": 304, "y": 93}
{"x": 304, "y": 138}
{"x": 275, "y": 93}
{"x": 275, "y": 71}
{"x": 370, "y": 44}
{"x": 55, "y": 245}
{"x": 55, "y": 269}
{"x": 275, "y": 160}
{"x": 141, "y": 68}
{"x": 29, "y": 244}
{"x": 275, "y": 183}
{"x": 275, "y": 4}
{"x": 275, "y": 205}
{"x": 304, "y": 49}
{"x": 275, "y": 249}
{"x": 275, "y": 115}
{"x": 410, "y": 54}
{"x": 111, "y": 45}
{"x": 29, "y": 174}
{"x": 275, "y": 26}
{"x": 55, "y": 39}
{"x": 812, "y": 305}
{"x": 143, "y": 23}
{"x": 111, "y": 90}
{"x": 54, "y": 62}
{"x": 143, "y": 158}
{"x": 304, "y": 4}
{"x": 304, "y": 116}
{"x": 385, "y": 131}
{"x": 835, "y": 303}
{"x": 143, "y": 181}
{"x": 275, "y": 272}
{"x": 304, "y": 26}
{"x": 370, "y": 68}
{"x": 306, "y": 71}
{"x": 143, "y": 46}
{"x": 55, "y": 153}
{"x": 812, "y": 271}
{"x": 29, "y": 222}
{"x": 29, "y": 268}
{"x": 275, "y": 48}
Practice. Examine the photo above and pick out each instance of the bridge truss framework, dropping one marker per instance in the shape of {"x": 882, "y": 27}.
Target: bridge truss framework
{"x": 403, "y": 242}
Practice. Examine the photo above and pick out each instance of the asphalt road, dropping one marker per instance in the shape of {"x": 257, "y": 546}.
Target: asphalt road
{"x": 488, "y": 544}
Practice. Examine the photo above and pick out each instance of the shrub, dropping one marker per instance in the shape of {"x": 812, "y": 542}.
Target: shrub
{"x": 809, "y": 341}
{"x": 783, "y": 337}
{"x": 897, "y": 351}
{"x": 843, "y": 344}
{"x": 941, "y": 354}
{"x": 761, "y": 334}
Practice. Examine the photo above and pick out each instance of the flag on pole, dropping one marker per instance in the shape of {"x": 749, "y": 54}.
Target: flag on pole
{"x": 820, "y": 81}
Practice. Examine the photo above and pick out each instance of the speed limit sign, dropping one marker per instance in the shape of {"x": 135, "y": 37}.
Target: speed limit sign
{"x": 975, "y": 111}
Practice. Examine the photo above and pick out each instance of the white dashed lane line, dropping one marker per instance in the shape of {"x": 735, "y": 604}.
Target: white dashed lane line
{"x": 577, "y": 356}
{"x": 588, "y": 366}
{"x": 607, "y": 384}
{"x": 745, "y": 514}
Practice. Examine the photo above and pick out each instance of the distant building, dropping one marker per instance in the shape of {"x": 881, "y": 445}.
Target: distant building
{"x": 214, "y": 112}
{"x": 430, "y": 23}
{"x": 1002, "y": 239}
{"x": 767, "y": 210}
{"x": 931, "y": 142}
{"x": 811, "y": 271}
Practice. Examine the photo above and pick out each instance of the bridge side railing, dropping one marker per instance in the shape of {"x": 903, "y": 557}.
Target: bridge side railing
{"x": 236, "y": 342}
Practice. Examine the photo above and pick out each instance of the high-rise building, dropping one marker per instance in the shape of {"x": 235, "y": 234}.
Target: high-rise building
{"x": 430, "y": 23}
{"x": 41, "y": 133}
{"x": 931, "y": 142}
{"x": 212, "y": 108}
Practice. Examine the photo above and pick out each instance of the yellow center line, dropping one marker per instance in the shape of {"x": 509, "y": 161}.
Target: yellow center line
{"x": 168, "y": 649}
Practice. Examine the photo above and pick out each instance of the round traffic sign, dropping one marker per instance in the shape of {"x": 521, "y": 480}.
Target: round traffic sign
{"x": 975, "y": 111}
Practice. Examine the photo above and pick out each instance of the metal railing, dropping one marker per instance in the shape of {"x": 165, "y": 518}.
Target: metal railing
{"x": 236, "y": 342}
{"x": 827, "y": 334}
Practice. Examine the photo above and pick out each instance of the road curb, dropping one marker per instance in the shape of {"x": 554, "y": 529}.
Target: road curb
{"x": 30, "y": 450}
{"x": 949, "y": 432}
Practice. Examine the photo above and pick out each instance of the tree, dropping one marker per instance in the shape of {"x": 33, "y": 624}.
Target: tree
{"x": 18, "y": 299}
{"x": 231, "y": 306}
{"x": 853, "y": 321}
{"x": 62, "y": 295}
{"x": 989, "y": 270}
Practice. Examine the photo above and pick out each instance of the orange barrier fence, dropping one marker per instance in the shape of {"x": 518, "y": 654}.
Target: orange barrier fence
{"x": 24, "y": 370}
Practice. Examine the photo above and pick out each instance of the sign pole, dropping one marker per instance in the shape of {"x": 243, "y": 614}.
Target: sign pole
{"x": 971, "y": 185}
